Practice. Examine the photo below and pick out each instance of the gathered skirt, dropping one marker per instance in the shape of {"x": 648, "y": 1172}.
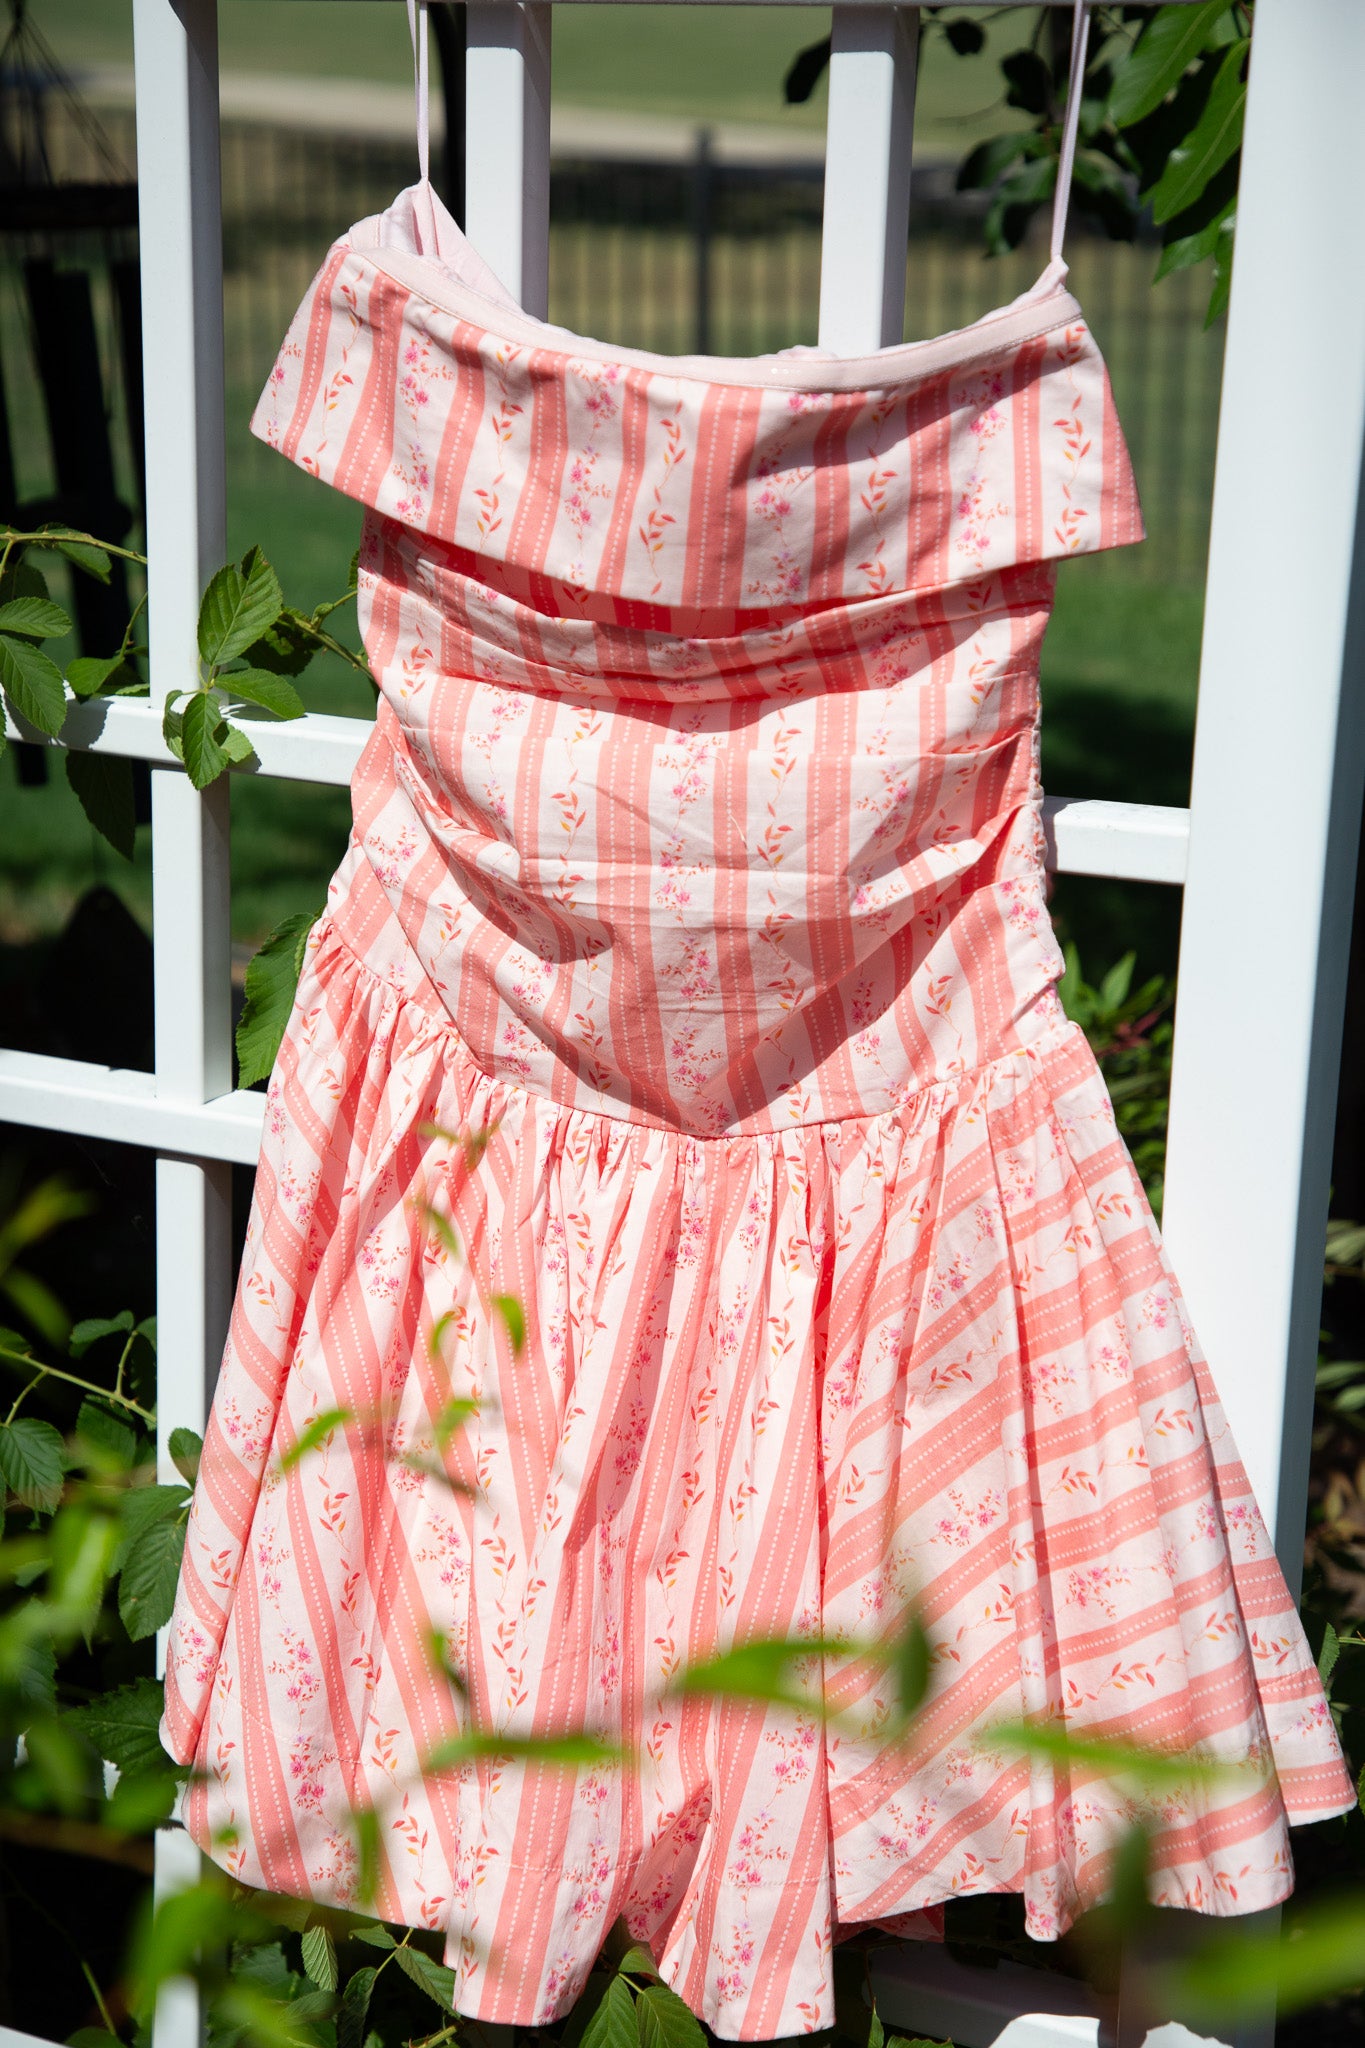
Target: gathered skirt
{"x": 786, "y": 1384}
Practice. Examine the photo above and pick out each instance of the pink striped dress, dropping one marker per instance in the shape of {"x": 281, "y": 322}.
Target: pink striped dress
{"x": 689, "y": 979}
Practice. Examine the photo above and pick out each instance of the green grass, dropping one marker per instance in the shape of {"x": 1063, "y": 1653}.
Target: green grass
{"x": 702, "y": 63}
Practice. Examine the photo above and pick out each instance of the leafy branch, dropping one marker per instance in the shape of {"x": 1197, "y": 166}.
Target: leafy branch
{"x": 252, "y": 645}
{"x": 1160, "y": 126}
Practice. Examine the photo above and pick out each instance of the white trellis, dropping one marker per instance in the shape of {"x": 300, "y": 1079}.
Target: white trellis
{"x": 1266, "y": 851}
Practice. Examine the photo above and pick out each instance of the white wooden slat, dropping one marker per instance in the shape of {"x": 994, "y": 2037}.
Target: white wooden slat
{"x": 1278, "y": 756}
{"x": 316, "y": 748}
{"x": 179, "y": 2021}
{"x": 867, "y": 177}
{"x": 1124, "y": 842}
{"x": 123, "y": 1106}
{"x": 180, "y": 240}
{"x": 507, "y": 145}
{"x": 15, "y": 2037}
{"x": 179, "y": 229}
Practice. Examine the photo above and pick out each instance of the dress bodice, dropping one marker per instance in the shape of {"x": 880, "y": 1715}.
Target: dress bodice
{"x": 704, "y": 790}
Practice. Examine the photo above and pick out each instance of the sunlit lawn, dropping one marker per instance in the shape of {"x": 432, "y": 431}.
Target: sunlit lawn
{"x": 704, "y": 64}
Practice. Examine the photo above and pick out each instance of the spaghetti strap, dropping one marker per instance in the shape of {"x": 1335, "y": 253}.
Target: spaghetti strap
{"x": 417, "y": 28}
{"x": 1080, "y": 37}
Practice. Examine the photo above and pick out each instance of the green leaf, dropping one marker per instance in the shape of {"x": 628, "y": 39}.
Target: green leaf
{"x": 113, "y": 1442}
{"x": 514, "y": 1319}
{"x": 1151, "y": 1768}
{"x": 1010, "y": 210}
{"x": 238, "y": 606}
{"x": 34, "y": 1298}
{"x": 663, "y": 2021}
{"x": 32, "y": 1461}
{"x": 33, "y": 685}
{"x": 60, "y": 1762}
{"x": 1338, "y": 1372}
{"x": 1212, "y": 240}
{"x": 434, "y": 1978}
{"x": 1222, "y": 284}
{"x": 17, "y": 1349}
{"x": 1130, "y": 1888}
{"x": 142, "y": 1799}
{"x": 805, "y": 71}
{"x": 317, "y": 1432}
{"x": 88, "y": 674}
{"x": 638, "y": 1962}
{"x": 286, "y": 649}
{"x": 312, "y": 2005}
{"x": 354, "y": 2008}
{"x": 200, "y": 746}
{"x": 259, "y": 686}
{"x": 82, "y": 1550}
{"x": 263, "y": 1964}
{"x": 876, "y": 2033}
{"x": 236, "y": 744}
{"x": 245, "y": 2011}
{"x": 1030, "y": 81}
{"x": 990, "y": 160}
{"x": 613, "y": 2024}
{"x": 103, "y": 787}
{"x": 23, "y": 578}
{"x": 457, "y": 1411}
{"x": 33, "y": 1677}
{"x": 908, "y": 1659}
{"x": 374, "y": 1933}
{"x": 761, "y": 1670}
{"x": 1161, "y": 56}
{"x": 122, "y": 1726}
{"x": 272, "y": 976}
{"x": 1327, "y": 1656}
{"x": 1114, "y": 988}
{"x": 567, "y": 1752}
{"x": 143, "y": 1507}
{"x": 89, "y": 1332}
{"x": 320, "y": 1957}
{"x": 1215, "y": 136}
{"x": 93, "y": 560}
{"x": 185, "y": 1449}
{"x": 35, "y": 617}
{"x": 146, "y": 1587}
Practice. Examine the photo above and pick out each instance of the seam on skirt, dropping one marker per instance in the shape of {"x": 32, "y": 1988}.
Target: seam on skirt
{"x": 1060, "y": 1035}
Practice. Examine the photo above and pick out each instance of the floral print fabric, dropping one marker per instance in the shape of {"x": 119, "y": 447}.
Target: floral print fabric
{"x": 697, "y": 874}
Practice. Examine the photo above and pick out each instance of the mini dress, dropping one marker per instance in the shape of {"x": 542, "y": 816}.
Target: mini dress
{"x": 689, "y": 980}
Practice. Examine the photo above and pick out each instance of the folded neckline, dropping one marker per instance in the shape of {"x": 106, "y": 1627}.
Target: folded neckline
{"x": 446, "y": 284}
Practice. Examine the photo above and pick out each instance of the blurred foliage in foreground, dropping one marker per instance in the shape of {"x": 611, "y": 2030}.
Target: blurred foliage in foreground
{"x": 88, "y": 1566}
